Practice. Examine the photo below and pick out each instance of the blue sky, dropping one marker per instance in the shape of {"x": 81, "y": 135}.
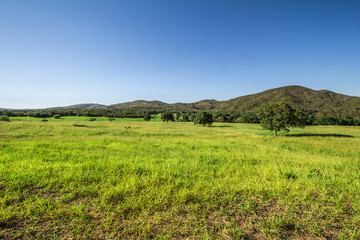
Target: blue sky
{"x": 62, "y": 52}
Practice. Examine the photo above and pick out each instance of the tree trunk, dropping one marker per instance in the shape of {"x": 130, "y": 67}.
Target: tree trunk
{"x": 275, "y": 134}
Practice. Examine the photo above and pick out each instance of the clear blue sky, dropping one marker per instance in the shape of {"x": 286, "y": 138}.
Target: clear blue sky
{"x": 63, "y": 52}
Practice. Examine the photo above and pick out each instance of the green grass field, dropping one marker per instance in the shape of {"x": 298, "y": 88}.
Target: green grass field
{"x": 141, "y": 180}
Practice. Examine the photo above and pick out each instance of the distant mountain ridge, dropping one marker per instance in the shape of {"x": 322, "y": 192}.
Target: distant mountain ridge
{"x": 84, "y": 105}
{"x": 318, "y": 103}
{"x": 137, "y": 103}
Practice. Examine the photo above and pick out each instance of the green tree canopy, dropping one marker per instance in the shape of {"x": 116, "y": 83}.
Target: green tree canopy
{"x": 4, "y": 118}
{"x": 204, "y": 118}
{"x": 166, "y": 117}
{"x": 147, "y": 117}
{"x": 280, "y": 116}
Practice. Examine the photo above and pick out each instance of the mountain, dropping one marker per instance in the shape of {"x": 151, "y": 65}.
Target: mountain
{"x": 209, "y": 104}
{"x": 323, "y": 102}
{"x": 137, "y": 104}
{"x": 318, "y": 103}
{"x": 84, "y": 105}
{"x": 314, "y": 102}
{"x": 142, "y": 104}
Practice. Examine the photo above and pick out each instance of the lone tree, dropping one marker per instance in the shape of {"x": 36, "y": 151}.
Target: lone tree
{"x": 204, "y": 118}
{"x": 166, "y": 117}
{"x": 279, "y": 116}
{"x": 147, "y": 117}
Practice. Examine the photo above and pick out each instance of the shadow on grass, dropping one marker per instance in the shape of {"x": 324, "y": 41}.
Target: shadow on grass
{"x": 319, "y": 135}
{"x": 223, "y": 126}
{"x": 80, "y": 125}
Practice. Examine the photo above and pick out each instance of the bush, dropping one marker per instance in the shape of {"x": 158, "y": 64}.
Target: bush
{"x": 325, "y": 120}
{"x": 111, "y": 119}
{"x": 185, "y": 118}
{"x": 4, "y": 118}
{"x": 92, "y": 119}
{"x": 57, "y": 116}
{"x": 220, "y": 119}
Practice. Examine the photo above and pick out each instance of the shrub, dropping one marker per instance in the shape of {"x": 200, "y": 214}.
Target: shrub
{"x": 220, "y": 119}
{"x": 92, "y": 119}
{"x": 185, "y": 118}
{"x": 4, "y": 118}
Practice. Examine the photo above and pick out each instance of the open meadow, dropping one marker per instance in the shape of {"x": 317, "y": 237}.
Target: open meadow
{"x": 131, "y": 179}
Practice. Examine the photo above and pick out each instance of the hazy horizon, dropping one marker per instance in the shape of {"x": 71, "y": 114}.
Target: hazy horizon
{"x": 62, "y": 53}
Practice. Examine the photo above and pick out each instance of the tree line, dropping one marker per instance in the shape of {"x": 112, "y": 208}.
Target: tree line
{"x": 179, "y": 116}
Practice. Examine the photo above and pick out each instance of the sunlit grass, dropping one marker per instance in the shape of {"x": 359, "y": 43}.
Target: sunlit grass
{"x": 136, "y": 179}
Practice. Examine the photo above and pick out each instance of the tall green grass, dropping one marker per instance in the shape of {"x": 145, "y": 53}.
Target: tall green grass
{"x": 136, "y": 180}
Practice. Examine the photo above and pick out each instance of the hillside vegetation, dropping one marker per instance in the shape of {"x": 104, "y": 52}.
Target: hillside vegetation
{"x": 315, "y": 103}
{"x": 318, "y": 103}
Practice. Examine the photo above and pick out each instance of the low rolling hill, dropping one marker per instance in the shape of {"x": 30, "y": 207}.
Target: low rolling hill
{"x": 321, "y": 102}
{"x": 317, "y": 103}
{"x": 84, "y": 105}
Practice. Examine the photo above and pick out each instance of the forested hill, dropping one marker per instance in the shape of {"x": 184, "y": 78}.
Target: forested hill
{"x": 323, "y": 102}
{"x": 84, "y": 105}
{"x": 316, "y": 103}
{"x": 161, "y": 106}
